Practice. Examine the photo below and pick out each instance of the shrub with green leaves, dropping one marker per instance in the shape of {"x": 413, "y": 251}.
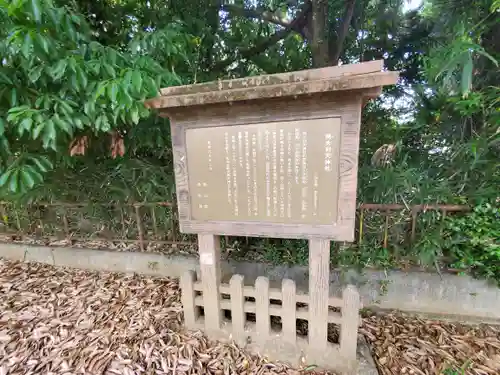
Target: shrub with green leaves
{"x": 473, "y": 241}
{"x": 58, "y": 84}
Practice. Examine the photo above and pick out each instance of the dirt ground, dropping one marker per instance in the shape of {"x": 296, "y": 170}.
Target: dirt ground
{"x": 64, "y": 321}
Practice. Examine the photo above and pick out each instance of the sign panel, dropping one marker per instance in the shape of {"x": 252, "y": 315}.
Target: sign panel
{"x": 276, "y": 172}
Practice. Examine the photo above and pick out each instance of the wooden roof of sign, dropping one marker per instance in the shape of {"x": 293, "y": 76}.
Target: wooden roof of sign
{"x": 367, "y": 77}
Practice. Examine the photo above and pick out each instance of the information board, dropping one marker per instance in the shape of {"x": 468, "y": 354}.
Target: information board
{"x": 273, "y": 155}
{"x": 277, "y": 172}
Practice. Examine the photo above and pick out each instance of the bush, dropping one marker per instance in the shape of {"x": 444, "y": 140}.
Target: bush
{"x": 473, "y": 241}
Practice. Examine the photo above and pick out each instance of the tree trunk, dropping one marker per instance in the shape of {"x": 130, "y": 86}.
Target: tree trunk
{"x": 336, "y": 50}
{"x": 319, "y": 42}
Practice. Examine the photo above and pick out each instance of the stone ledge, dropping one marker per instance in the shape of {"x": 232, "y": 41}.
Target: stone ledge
{"x": 457, "y": 297}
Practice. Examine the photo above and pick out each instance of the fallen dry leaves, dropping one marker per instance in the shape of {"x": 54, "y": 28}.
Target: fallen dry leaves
{"x": 408, "y": 345}
{"x": 55, "y": 320}
{"x": 117, "y": 146}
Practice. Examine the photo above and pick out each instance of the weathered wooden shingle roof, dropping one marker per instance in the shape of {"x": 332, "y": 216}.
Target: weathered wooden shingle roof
{"x": 366, "y": 75}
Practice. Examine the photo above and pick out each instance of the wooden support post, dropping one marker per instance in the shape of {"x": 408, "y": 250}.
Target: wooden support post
{"x": 319, "y": 280}
{"x": 209, "y": 249}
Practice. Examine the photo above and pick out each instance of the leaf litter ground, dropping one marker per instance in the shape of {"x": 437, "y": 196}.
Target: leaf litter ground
{"x": 409, "y": 345}
{"x": 56, "y": 320}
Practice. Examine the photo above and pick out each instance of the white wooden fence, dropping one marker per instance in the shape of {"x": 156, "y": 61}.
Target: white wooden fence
{"x": 258, "y": 334}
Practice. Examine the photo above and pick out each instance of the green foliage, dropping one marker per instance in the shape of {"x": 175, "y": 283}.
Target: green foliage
{"x": 451, "y": 65}
{"x": 57, "y": 83}
{"x": 473, "y": 241}
{"x": 458, "y": 371}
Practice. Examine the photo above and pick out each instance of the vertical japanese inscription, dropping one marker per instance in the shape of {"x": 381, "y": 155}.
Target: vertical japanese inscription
{"x": 228, "y": 168}
{"x": 268, "y": 173}
{"x": 209, "y": 154}
{"x": 236, "y": 208}
{"x": 254, "y": 176}
{"x": 289, "y": 175}
{"x": 274, "y": 163}
{"x": 305, "y": 180}
{"x": 248, "y": 175}
{"x": 282, "y": 172}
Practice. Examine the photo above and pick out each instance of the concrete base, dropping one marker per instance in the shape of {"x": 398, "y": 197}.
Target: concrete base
{"x": 366, "y": 364}
{"x": 459, "y": 297}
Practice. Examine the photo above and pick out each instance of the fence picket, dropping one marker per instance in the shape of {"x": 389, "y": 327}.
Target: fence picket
{"x": 262, "y": 307}
{"x": 340, "y": 356}
{"x": 319, "y": 272}
{"x": 289, "y": 310}
{"x": 350, "y": 322}
{"x": 238, "y": 315}
{"x": 188, "y": 299}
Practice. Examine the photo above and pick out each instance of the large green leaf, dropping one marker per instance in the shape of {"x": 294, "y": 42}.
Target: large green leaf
{"x": 42, "y": 163}
{"x": 113, "y": 89}
{"x": 27, "y": 178}
{"x": 36, "y": 10}
{"x": 4, "y": 78}
{"x": 137, "y": 81}
{"x": 4, "y": 177}
{"x": 27, "y": 45}
{"x": 49, "y": 134}
{"x": 25, "y": 125}
{"x": 467, "y": 75}
{"x": 14, "y": 181}
{"x": 59, "y": 69}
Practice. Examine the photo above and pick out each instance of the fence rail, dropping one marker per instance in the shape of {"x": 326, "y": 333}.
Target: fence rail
{"x": 153, "y": 226}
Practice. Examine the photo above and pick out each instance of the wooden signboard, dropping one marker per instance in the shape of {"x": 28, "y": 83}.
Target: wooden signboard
{"x": 271, "y": 155}
{"x": 274, "y": 156}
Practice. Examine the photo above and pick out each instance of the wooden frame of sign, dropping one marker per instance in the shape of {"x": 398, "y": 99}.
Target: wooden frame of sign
{"x": 274, "y": 155}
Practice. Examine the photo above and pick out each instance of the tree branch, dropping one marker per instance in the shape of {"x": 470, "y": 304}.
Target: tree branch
{"x": 256, "y": 49}
{"x": 263, "y": 14}
{"x": 296, "y": 25}
{"x": 342, "y": 32}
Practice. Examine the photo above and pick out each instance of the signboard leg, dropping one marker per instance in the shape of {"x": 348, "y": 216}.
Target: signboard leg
{"x": 209, "y": 249}
{"x": 319, "y": 275}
